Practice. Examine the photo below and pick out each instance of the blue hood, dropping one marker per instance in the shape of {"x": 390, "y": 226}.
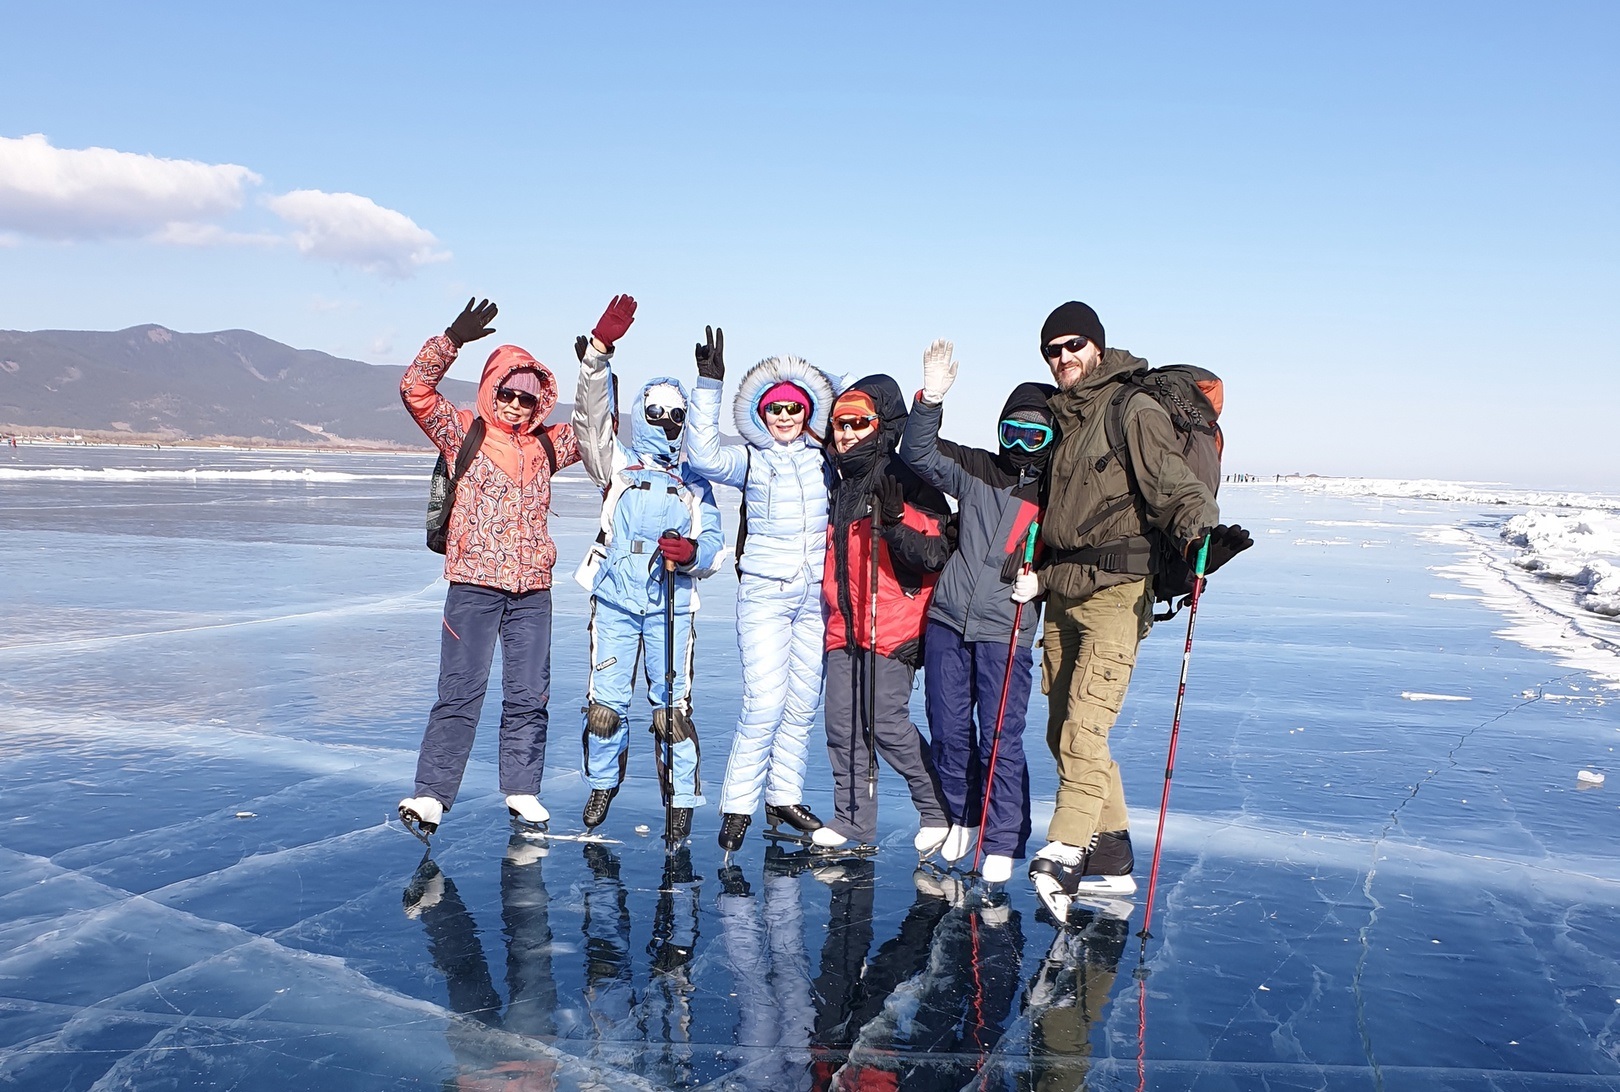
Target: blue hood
{"x": 649, "y": 441}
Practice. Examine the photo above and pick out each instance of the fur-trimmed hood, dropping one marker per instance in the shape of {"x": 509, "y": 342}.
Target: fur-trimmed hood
{"x": 767, "y": 374}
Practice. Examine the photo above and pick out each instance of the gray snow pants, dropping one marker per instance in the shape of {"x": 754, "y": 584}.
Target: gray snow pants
{"x": 898, "y": 741}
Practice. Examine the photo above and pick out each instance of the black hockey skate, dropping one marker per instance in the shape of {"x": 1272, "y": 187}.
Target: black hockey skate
{"x": 596, "y": 807}
{"x": 679, "y": 828}
{"x": 733, "y": 825}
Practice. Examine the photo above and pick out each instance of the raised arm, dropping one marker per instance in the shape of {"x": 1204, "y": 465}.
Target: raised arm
{"x": 419, "y": 386}
{"x": 599, "y": 448}
{"x": 704, "y": 451}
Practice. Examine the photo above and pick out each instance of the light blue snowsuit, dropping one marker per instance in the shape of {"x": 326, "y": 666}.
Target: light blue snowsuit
{"x": 648, "y": 490}
{"x": 779, "y": 620}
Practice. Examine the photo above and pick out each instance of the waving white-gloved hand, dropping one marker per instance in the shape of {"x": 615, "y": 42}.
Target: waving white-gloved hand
{"x": 1026, "y": 587}
{"x": 939, "y": 371}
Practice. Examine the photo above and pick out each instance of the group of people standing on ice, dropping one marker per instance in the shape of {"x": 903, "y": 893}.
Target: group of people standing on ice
{"x": 854, "y": 572}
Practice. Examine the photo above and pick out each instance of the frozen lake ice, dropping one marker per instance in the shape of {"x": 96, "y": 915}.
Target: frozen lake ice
{"x": 1380, "y": 867}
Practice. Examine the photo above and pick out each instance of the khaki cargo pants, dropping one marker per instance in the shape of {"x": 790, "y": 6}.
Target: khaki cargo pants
{"x": 1089, "y": 649}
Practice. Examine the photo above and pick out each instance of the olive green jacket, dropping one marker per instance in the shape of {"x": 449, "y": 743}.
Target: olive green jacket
{"x": 1170, "y": 497}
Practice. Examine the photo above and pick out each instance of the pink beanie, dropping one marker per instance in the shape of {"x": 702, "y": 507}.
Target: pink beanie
{"x": 783, "y": 392}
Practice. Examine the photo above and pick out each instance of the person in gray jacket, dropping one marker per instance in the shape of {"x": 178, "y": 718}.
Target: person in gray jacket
{"x": 970, "y": 619}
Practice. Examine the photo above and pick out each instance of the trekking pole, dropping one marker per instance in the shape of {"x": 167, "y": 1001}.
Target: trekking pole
{"x": 669, "y": 699}
{"x": 1006, "y": 684}
{"x": 872, "y": 661}
{"x": 1175, "y": 731}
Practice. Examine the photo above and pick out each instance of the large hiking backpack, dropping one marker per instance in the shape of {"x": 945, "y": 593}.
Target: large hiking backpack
{"x": 442, "y": 489}
{"x": 1193, "y": 398}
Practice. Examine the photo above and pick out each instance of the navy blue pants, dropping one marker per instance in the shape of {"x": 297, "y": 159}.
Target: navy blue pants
{"x": 962, "y": 677}
{"x": 474, "y": 616}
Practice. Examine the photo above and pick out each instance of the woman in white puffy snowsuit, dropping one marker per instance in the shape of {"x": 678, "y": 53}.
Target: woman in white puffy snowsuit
{"x": 781, "y": 410}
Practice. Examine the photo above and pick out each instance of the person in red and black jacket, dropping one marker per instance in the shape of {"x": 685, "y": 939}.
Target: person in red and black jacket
{"x": 872, "y": 656}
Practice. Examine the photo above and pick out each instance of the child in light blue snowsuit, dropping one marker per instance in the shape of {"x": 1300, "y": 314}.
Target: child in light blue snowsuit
{"x": 654, "y": 508}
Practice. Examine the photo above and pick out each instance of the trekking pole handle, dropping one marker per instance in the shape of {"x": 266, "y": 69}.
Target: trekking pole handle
{"x": 1029, "y": 546}
{"x": 1203, "y": 558}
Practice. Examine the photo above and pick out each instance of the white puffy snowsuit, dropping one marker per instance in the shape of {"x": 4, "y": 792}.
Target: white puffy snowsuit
{"x": 779, "y": 566}
{"x": 648, "y": 490}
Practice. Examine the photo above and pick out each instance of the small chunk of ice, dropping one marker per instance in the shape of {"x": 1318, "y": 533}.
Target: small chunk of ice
{"x": 1418, "y": 695}
{"x": 643, "y": 828}
{"x": 246, "y": 815}
{"x": 1589, "y": 777}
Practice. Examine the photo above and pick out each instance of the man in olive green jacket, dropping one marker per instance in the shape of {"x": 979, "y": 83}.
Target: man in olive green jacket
{"x": 1099, "y": 603}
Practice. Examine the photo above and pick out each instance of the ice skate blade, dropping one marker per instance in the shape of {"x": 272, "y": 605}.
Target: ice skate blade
{"x": 792, "y": 837}
{"x": 835, "y": 853}
{"x": 523, "y": 826}
{"x": 417, "y": 828}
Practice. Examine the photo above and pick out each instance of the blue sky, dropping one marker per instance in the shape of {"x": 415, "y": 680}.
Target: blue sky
{"x": 1391, "y": 227}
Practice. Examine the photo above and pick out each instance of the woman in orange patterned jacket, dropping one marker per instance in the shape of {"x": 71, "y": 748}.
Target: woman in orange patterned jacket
{"x": 498, "y": 560}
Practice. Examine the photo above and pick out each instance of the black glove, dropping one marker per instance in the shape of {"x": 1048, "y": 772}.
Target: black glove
{"x": 1225, "y": 543}
{"x": 472, "y": 324}
{"x": 711, "y": 357}
{"x": 889, "y": 500}
{"x": 580, "y": 343}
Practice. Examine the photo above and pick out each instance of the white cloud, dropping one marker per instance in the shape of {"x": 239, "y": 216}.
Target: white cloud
{"x": 97, "y": 193}
{"x": 82, "y": 194}
{"x": 355, "y": 230}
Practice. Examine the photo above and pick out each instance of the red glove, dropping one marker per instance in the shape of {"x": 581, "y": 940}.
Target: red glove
{"x": 677, "y": 549}
{"x": 620, "y": 313}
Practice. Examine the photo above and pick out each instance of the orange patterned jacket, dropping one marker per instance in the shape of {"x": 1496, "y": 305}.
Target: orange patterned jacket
{"x": 497, "y": 535}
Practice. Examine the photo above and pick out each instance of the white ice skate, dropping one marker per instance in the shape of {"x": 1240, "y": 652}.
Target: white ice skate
{"x": 528, "y": 811}
{"x": 959, "y": 842}
{"x": 929, "y": 840}
{"x": 997, "y": 868}
{"x": 421, "y": 815}
{"x": 1055, "y": 871}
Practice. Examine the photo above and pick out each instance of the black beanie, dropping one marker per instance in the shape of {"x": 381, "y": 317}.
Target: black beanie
{"x": 1030, "y": 397}
{"x": 1073, "y": 317}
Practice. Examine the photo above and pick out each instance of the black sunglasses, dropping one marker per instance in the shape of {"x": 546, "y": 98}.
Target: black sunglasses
{"x": 524, "y": 399}
{"x": 1073, "y": 345}
{"x": 792, "y": 409}
{"x": 676, "y": 415}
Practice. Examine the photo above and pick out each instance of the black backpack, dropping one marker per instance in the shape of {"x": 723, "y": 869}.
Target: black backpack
{"x": 1192, "y": 396}
{"x": 442, "y": 489}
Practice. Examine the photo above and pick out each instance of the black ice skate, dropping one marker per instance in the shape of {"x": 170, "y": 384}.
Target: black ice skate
{"x": 800, "y": 819}
{"x": 679, "y": 829}
{"x": 733, "y": 825}
{"x": 596, "y": 806}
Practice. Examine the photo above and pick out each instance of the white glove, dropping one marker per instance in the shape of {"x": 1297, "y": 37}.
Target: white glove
{"x": 939, "y": 371}
{"x": 1026, "y": 587}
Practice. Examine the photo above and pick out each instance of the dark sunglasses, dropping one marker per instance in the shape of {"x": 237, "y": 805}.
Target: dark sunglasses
{"x": 524, "y": 399}
{"x": 852, "y": 424}
{"x": 1073, "y": 345}
{"x": 675, "y": 415}
{"x": 1025, "y": 434}
{"x": 792, "y": 409}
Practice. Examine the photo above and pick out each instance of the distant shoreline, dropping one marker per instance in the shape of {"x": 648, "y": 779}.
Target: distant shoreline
{"x": 34, "y": 436}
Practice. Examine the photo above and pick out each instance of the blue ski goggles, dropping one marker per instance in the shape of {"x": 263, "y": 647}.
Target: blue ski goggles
{"x": 1025, "y": 434}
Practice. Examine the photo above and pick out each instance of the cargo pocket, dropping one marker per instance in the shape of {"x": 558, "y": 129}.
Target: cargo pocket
{"x": 1107, "y": 674}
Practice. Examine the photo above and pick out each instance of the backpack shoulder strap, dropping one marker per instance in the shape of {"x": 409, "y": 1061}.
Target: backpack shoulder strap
{"x": 470, "y": 444}
{"x": 1114, "y": 425}
{"x": 551, "y": 451}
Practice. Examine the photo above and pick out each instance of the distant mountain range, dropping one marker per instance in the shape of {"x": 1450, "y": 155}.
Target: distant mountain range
{"x": 149, "y": 382}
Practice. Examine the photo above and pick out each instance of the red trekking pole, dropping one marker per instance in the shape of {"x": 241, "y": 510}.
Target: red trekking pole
{"x": 1006, "y": 684}
{"x": 1175, "y": 730}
